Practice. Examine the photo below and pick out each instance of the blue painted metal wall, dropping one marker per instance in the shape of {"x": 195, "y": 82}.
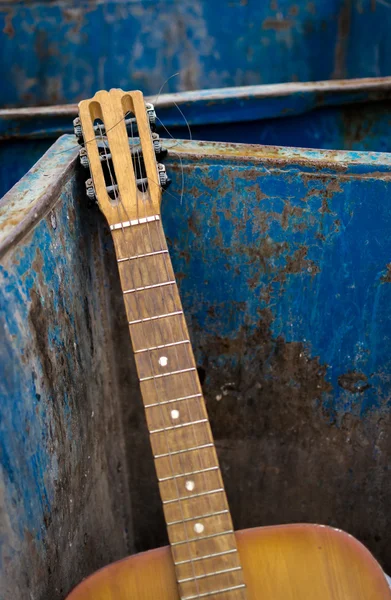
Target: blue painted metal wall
{"x": 283, "y": 262}
{"x": 63, "y": 484}
{"x": 64, "y": 51}
{"x": 336, "y": 115}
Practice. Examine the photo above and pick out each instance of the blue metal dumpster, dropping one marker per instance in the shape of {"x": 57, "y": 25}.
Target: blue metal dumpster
{"x": 283, "y": 260}
{"x": 59, "y": 52}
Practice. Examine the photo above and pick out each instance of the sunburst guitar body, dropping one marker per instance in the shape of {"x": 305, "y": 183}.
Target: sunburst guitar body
{"x": 206, "y": 559}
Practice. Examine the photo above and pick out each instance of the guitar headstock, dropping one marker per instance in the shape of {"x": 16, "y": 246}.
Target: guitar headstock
{"x": 120, "y": 147}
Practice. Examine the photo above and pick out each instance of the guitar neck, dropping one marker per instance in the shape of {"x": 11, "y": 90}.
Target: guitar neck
{"x": 191, "y": 487}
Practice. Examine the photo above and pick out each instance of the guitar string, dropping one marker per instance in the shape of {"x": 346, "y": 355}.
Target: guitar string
{"x": 170, "y": 328}
{"x": 196, "y": 389}
{"x": 120, "y": 203}
{"x": 165, "y": 259}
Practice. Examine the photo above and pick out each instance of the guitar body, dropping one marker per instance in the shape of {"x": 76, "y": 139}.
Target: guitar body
{"x": 290, "y": 562}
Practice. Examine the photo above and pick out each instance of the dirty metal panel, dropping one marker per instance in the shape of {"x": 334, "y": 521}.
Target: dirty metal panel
{"x": 341, "y": 114}
{"x": 64, "y": 484}
{"x": 49, "y": 52}
{"x": 283, "y": 260}
{"x": 282, "y": 257}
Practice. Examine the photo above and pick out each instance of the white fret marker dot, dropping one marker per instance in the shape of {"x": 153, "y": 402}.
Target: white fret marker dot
{"x": 190, "y": 485}
{"x": 199, "y": 528}
{"x": 175, "y": 414}
{"x": 163, "y": 360}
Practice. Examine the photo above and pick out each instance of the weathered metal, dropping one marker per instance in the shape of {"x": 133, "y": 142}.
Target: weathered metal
{"x": 64, "y": 50}
{"x": 283, "y": 261}
{"x": 340, "y": 114}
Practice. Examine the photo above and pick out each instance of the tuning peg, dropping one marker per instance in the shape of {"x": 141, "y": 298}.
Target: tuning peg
{"x": 151, "y": 113}
{"x": 78, "y": 130}
{"x": 160, "y": 152}
{"x": 90, "y": 190}
{"x": 164, "y": 180}
{"x": 84, "y": 158}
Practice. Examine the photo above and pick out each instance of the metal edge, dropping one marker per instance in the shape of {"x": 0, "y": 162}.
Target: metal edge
{"x": 45, "y": 199}
{"x": 321, "y": 93}
{"x": 362, "y": 164}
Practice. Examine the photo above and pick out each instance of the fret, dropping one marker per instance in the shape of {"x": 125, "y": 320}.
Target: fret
{"x": 171, "y": 401}
{"x": 184, "y": 450}
{"x": 191, "y": 530}
{"x": 159, "y": 417}
{"x": 193, "y": 486}
{"x": 164, "y": 362}
{"x": 168, "y": 374}
{"x": 179, "y": 426}
{"x": 179, "y": 440}
{"x": 150, "y": 333}
{"x": 215, "y": 592}
{"x": 205, "y": 516}
{"x": 207, "y": 493}
{"x": 149, "y": 287}
{"x": 162, "y": 346}
{"x": 189, "y": 474}
{"x": 206, "y": 557}
{"x": 204, "y": 575}
{"x": 199, "y": 547}
{"x": 204, "y": 537}
{"x": 156, "y": 317}
{"x": 146, "y": 255}
{"x": 190, "y": 461}
{"x": 188, "y": 507}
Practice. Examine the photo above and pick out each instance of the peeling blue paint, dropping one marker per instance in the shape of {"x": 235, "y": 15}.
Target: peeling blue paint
{"x": 49, "y": 53}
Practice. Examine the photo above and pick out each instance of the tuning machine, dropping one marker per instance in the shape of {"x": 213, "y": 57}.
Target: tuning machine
{"x": 84, "y": 158}
{"x": 90, "y": 190}
{"x": 164, "y": 180}
{"x": 160, "y": 152}
{"x": 78, "y": 130}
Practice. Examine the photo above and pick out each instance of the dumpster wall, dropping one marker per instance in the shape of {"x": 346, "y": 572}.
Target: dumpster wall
{"x": 64, "y": 484}
{"x": 64, "y": 51}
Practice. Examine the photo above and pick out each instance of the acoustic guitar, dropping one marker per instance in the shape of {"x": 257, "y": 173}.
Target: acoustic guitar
{"x": 206, "y": 558}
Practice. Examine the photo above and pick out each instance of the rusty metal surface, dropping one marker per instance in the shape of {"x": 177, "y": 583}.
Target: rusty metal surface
{"x": 349, "y": 114}
{"x": 64, "y": 484}
{"x": 49, "y": 51}
{"x": 282, "y": 257}
{"x": 283, "y": 261}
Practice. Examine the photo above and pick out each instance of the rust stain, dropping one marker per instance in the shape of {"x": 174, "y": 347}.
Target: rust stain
{"x": 267, "y": 401}
{"x": 298, "y": 263}
{"x": 277, "y": 24}
{"x": 344, "y": 21}
{"x": 294, "y": 10}
{"x": 386, "y": 278}
{"x": 354, "y": 382}
{"x": 8, "y": 28}
{"x": 270, "y": 368}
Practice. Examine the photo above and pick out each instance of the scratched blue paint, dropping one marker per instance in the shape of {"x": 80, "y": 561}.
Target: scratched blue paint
{"x": 337, "y": 301}
{"x": 33, "y": 486}
{"x": 49, "y": 52}
{"x": 47, "y": 419}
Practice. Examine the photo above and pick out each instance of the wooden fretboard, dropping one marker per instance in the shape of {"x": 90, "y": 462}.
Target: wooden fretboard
{"x": 195, "y": 505}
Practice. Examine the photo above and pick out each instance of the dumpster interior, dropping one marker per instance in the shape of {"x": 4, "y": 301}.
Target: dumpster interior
{"x": 281, "y": 259}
